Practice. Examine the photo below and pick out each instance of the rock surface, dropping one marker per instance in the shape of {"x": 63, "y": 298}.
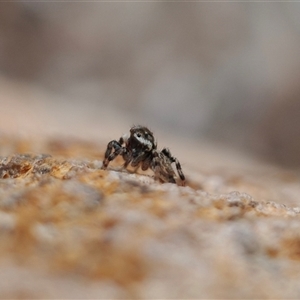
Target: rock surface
{"x": 71, "y": 230}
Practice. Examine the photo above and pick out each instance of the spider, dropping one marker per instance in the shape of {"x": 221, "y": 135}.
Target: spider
{"x": 140, "y": 150}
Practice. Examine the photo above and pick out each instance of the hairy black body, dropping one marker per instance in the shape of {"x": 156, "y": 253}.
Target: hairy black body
{"x": 140, "y": 150}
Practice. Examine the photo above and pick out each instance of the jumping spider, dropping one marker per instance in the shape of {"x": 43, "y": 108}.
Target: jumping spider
{"x": 140, "y": 150}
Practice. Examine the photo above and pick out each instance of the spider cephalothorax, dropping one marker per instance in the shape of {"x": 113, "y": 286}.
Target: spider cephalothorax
{"x": 140, "y": 150}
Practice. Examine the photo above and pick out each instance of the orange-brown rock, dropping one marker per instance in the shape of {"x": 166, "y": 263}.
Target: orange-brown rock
{"x": 71, "y": 230}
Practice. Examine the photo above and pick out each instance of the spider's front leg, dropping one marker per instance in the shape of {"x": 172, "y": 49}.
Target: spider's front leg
{"x": 109, "y": 155}
{"x": 168, "y": 154}
{"x": 133, "y": 160}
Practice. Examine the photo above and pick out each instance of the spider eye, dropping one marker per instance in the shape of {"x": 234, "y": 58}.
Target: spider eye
{"x": 139, "y": 135}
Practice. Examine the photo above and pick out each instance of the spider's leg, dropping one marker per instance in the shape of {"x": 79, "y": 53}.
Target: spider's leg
{"x": 179, "y": 169}
{"x": 109, "y": 155}
{"x": 134, "y": 170}
{"x": 135, "y": 161}
{"x": 138, "y": 160}
{"x": 155, "y": 167}
{"x": 160, "y": 172}
{"x": 146, "y": 163}
{"x": 127, "y": 156}
{"x": 167, "y": 153}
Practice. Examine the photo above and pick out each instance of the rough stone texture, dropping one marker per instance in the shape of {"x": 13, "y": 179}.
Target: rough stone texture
{"x": 71, "y": 230}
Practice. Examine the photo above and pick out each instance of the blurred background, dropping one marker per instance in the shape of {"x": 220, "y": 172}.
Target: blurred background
{"x": 226, "y": 72}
